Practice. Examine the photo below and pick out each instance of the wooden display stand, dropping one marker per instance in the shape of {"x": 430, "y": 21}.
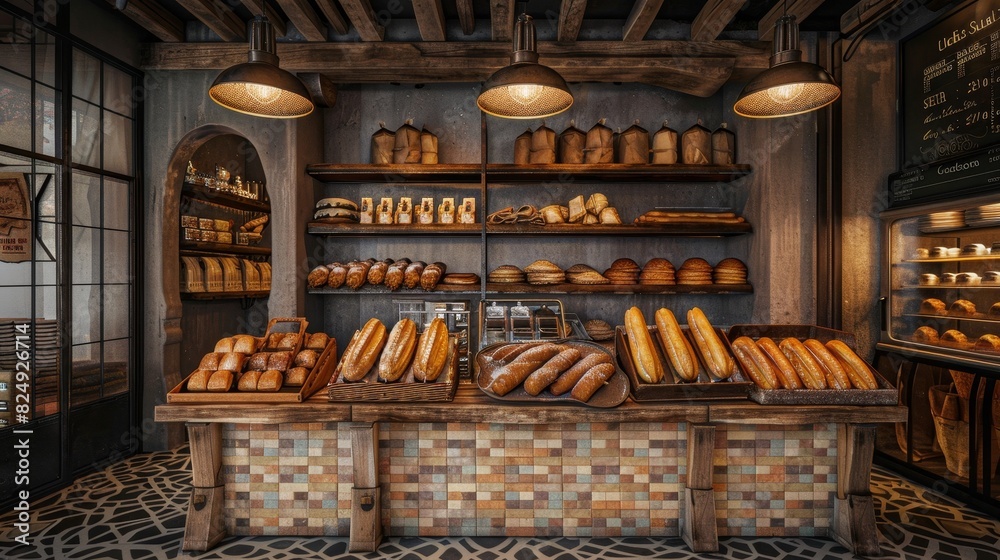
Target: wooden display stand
{"x": 366, "y": 502}
{"x": 205, "y": 525}
{"x": 698, "y": 524}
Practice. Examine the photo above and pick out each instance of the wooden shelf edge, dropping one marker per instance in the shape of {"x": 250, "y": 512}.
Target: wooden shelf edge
{"x": 369, "y": 289}
{"x": 393, "y": 230}
{"x": 502, "y": 288}
{"x": 205, "y": 194}
{"x": 223, "y": 248}
{"x": 679, "y": 230}
{"x": 461, "y": 173}
{"x": 225, "y": 295}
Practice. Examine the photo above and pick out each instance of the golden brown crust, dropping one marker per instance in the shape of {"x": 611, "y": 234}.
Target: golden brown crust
{"x": 806, "y": 366}
{"x": 432, "y": 351}
{"x": 317, "y": 341}
{"x": 337, "y": 277}
{"x": 318, "y": 276}
{"x": 224, "y": 345}
{"x": 675, "y": 345}
{"x": 550, "y": 371}
{"x": 833, "y": 370}
{"x": 988, "y": 343}
{"x": 244, "y": 344}
{"x": 398, "y": 351}
{"x": 431, "y": 275}
{"x": 411, "y": 276}
{"x": 508, "y": 377}
{"x": 787, "y": 376}
{"x": 926, "y": 334}
{"x": 232, "y": 361}
{"x": 962, "y": 307}
{"x": 932, "y": 306}
{"x": 720, "y": 364}
{"x": 395, "y": 275}
{"x": 755, "y": 363}
{"x": 220, "y": 381}
{"x": 376, "y": 274}
{"x": 858, "y": 371}
{"x": 569, "y": 378}
{"x": 279, "y": 361}
{"x": 644, "y": 357}
{"x": 211, "y": 361}
{"x": 357, "y": 275}
{"x": 289, "y": 341}
{"x": 270, "y": 381}
{"x": 248, "y": 381}
{"x": 306, "y": 358}
{"x": 296, "y": 377}
{"x": 364, "y": 348}
{"x": 198, "y": 381}
{"x": 594, "y": 379}
{"x": 258, "y": 361}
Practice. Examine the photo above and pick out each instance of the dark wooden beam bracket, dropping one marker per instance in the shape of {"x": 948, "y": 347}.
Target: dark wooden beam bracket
{"x": 218, "y": 17}
{"x": 305, "y": 18}
{"x": 363, "y": 17}
{"x": 430, "y": 19}
{"x": 152, "y": 16}
{"x": 641, "y": 19}
{"x": 713, "y": 18}
{"x": 570, "y": 20}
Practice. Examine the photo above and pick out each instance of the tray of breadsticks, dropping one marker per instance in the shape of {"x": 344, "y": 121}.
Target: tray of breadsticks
{"x": 551, "y": 372}
{"x": 398, "y": 364}
{"x": 807, "y": 364}
{"x": 670, "y": 362}
{"x": 287, "y": 364}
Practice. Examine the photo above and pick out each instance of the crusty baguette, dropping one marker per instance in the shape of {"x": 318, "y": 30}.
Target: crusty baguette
{"x": 755, "y": 363}
{"x": 362, "y": 351}
{"x": 432, "y": 351}
{"x": 809, "y": 370}
{"x": 569, "y": 378}
{"x": 644, "y": 358}
{"x": 508, "y": 352}
{"x": 857, "y": 370}
{"x": 833, "y": 370}
{"x": 508, "y": 377}
{"x": 784, "y": 369}
{"x": 720, "y": 364}
{"x": 398, "y": 352}
{"x": 550, "y": 371}
{"x": 594, "y": 379}
{"x": 676, "y": 345}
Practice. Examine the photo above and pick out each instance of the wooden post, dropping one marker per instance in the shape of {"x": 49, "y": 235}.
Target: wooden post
{"x": 698, "y": 526}
{"x": 205, "y": 525}
{"x": 366, "y": 504}
{"x": 853, "y": 509}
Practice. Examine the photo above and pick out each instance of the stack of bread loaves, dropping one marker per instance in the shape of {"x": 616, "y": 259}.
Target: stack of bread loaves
{"x": 623, "y": 271}
{"x": 585, "y": 274}
{"x": 695, "y": 272}
{"x": 658, "y": 272}
{"x": 506, "y": 274}
{"x": 730, "y": 271}
{"x": 543, "y": 272}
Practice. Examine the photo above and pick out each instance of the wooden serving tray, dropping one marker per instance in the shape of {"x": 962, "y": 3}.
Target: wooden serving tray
{"x": 672, "y": 388}
{"x": 886, "y": 394}
{"x": 371, "y": 389}
{"x": 317, "y": 378}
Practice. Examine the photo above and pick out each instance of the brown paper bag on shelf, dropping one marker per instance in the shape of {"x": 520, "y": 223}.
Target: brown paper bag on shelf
{"x": 383, "y": 142}
{"x": 543, "y": 145}
{"x": 571, "y": 144}
{"x": 696, "y": 144}
{"x": 665, "y": 145}
{"x": 428, "y": 147}
{"x": 600, "y": 146}
{"x": 723, "y": 146}
{"x": 522, "y": 148}
{"x": 407, "y": 146}
{"x": 633, "y": 145}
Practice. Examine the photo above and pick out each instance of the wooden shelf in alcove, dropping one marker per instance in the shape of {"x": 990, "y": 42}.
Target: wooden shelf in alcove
{"x": 225, "y": 295}
{"x": 205, "y": 194}
{"x": 199, "y": 248}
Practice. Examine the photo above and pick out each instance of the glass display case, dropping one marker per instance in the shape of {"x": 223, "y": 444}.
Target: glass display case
{"x": 941, "y": 339}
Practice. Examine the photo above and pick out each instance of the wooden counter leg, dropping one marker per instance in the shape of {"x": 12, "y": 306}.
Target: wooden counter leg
{"x": 366, "y": 505}
{"x": 205, "y": 525}
{"x": 698, "y": 523}
{"x": 853, "y": 509}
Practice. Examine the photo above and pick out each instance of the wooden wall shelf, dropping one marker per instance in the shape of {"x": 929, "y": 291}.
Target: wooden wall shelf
{"x": 225, "y": 295}
{"x": 208, "y": 248}
{"x": 460, "y": 173}
{"x": 516, "y": 288}
{"x": 395, "y": 230}
{"x": 370, "y": 289}
{"x": 205, "y": 194}
{"x": 673, "y": 230}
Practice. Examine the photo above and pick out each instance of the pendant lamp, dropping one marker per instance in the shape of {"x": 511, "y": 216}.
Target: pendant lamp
{"x": 790, "y": 86}
{"x": 525, "y": 89}
{"x": 259, "y": 87}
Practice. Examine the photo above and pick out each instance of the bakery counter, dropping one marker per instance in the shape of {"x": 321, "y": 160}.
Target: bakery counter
{"x": 481, "y": 467}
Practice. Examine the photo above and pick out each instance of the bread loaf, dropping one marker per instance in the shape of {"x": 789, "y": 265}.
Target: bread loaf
{"x": 248, "y": 381}
{"x": 431, "y": 275}
{"x": 675, "y": 345}
{"x": 220, "y": 381}
{"x": 337, "y": 277}
{"x": 398, "y": 352}
{"x": 306, "y": 358}
{"x": 198, "y": 381}
{"x": 357, "y": 275}
{"x": 755, "y": 363}
{"x": 210, "y": 361}
{"x": 376, "y": 274}
{"x": 258, "y": 361}
{"x": 571, "y": 376}
{"x": 806, "y": 366}
{"x": 784, "y": 370}
{"x": 594, "y": 379}
{"x": 508, "y": 352}
{"x": 836, "y": 377}
{"x": 411, "y": 277}
{"x": 296, "y": 377}
{"x": 317, "y": 341}
{"x": 644, "y": 358}
{"x": 244, "y": 344}
{"x": 232, "y": 361}
{"x": 364, "y": 348}
{"x": 432, "y": 351}
{"x": 394, "y": 275}
{"x": 857, "y": 370}
{"x": 718, "y": 361}
{"x": 279, "y": 361}
{"x": 270, "y": 381}
{"x": 508, "y": 377}
{"x": 224, "y": 345}
{"x": 550, "y": 371}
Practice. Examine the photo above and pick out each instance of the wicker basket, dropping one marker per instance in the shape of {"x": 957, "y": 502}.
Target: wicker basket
{"x": 950, "y": 413}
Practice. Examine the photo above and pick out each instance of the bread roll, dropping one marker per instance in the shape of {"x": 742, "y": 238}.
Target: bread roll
{"x": 307, "y": 358}
{"x": 926, "y": 334}
{"x": 296, "y": 377}
{"x": 244, "y": 344}
{"x": 270, "y": 381}
{"x": 571, "y": 377}
{"x": 833, "y": 370}
{"x": 932, "y": 306}
{"x": 248, "y": 381}
{"x": 198, "y": 381}
{"x": 258, "y": 361}
{"x": 857, "y": 370}
{"x": 318, "y": 276}
{"x": 232, "y": 361}
{"x": 317, "y": 341}
{"x": 274, "y": 340}
{"x": 224, "y": 345}
{"x": 289, "y": 341}
{"x": 594, "y": 379}
{"x": 806, "y": 366}
{"x": 279, "y": 361}
{"x": 210, "y": 361}
{"x": 220, "y": 381}
{"x": 755, "y": 363}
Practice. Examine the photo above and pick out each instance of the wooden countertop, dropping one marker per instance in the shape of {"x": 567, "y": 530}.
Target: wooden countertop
{"x": 471, "y": 405}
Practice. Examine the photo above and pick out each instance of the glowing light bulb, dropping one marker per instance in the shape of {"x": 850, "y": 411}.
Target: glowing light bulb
{"x": 786, "y": 93}
{"x": 262, "y": 93}
{"x": 525, "y": 94}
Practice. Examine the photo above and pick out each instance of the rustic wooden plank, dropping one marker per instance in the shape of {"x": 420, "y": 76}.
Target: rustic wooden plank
{"x": 430, "y": 19}
{"x": 366, "y": 520}
{"x": 502, "y": 19}
{"x": 363, "y": 17}
{"x": 466, "y": 16}
{"x": 854, "y": 525}
{"x": 803, "y": 415}
{"x": 701, "y": 446}
{"x": 570, "y": 19}
{"x": 801, "y": 9}
{"x": 152, "y": 16}
{"x": 364, "y": 454}
{"x": 305, "y": 19}
{"x": 316, "y": 409}
{"x": 518, "y": 288}
{"x": 640, "y": 19}
{"x": 332, "y": 14}
{"x": 714, "y": 16}
{"x": 206, "y": 453}
{"x": 855, "y": 449}
{"x": 699, "y": 529}
{"x": 277, "y": 22}
{"x": 219, "y": 18}
{"x": 205, "y": 524}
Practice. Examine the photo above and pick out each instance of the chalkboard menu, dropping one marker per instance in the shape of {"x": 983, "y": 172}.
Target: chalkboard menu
{"x": 950, "y": 89}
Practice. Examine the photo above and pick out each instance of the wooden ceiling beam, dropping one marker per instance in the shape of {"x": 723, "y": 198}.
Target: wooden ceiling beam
{"x": 640, "y": 20}
{"x": 363, "y": 17}
{"x": 713, "y": 18}
{"x": 332, "y": 14}
{"x": 801, "y": 9}
{"x": 570, "y": 20}
{"x": 695, "y": 68}
{"x": 466, "y": 16}
{"x": 277, "y": 22}
{"x": 305, "y": 19}
{"x": 152, "y": 16}
{"x": 218, "y": 17}
{"x": 430, "y": 19}
{"x": 502, "y": 19}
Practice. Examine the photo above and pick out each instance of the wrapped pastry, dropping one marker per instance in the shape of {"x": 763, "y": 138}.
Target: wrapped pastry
{"x": 596, "y": 202}
{"x": 404, "y": 212}
{"x": 552, "y": 214}
{"x": 428, "y": 147}
{"x": 633, "y": 145}
{"x": 425, "y": 212}
{"x": 383, "y": 142}
{"x": 577, "y": 209}
{"x": 384, "y": 213}
{"x": 543, "y": 145}
{"x": 609, "y": 216}
{"x": 599, "y": 145}
{"x": 522, "y": 148}
{"x": 723, "y": 146}
{"x": 665, "y": 145}
{"x": 696, "y": 144}
{"x": 407, "y": 144}
{"x": 467, "y": 214}
{"x": 571, "y": 144}
{"x": 367, "y": 213}
{"x": 446, "y": 212}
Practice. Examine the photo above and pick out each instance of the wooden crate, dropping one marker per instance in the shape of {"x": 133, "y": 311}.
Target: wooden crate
{"x": 371, "y": 389}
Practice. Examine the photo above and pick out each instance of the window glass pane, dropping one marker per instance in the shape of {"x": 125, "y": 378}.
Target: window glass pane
{"x": 44, "y": 183}
{"x": 46, "y": 244}
{"x": 116, "y": 311}
{"x": 117, "y": 204}
{"x": 15, "y": 45}
{"x": 14, "y": 274}
{"x": 117, "y": 143}
{"x": 15, "y": 110}
{"x": 16, "y": 303}
{"x": 86, "y": 133}
{"x": 116, "y": 361}
{"x": 45, "y": 58}
{"x": 86, "y": 202}
{"x": 46, "y": 274}
{"x": 85, "y": 381}
{"x": 47, "y": 343}
{"x": 46, "y": 315}
{"x": 86, "y": 314}
{"x": 45, "y": 120}
{"x": 86, "y": 77}
{"x": 117, "y": 91}
{"x": 116, "y": 257}
{"x": 86, "y": 255}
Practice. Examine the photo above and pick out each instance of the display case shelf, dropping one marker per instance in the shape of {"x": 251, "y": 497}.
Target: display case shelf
{"x": 977, "y": 318}
{"x": 202, "y": 248}
{"x": 947, "y": 287}
{"x": 521, "y": 288}
{"x": 954, "y": 259}
{"x": 225, "y": 295}
{"x": 370, "y": 289}
{"x": 205, "y": 194}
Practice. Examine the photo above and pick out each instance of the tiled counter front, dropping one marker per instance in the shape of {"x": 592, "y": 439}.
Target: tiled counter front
{"x": 585, "y": 479}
